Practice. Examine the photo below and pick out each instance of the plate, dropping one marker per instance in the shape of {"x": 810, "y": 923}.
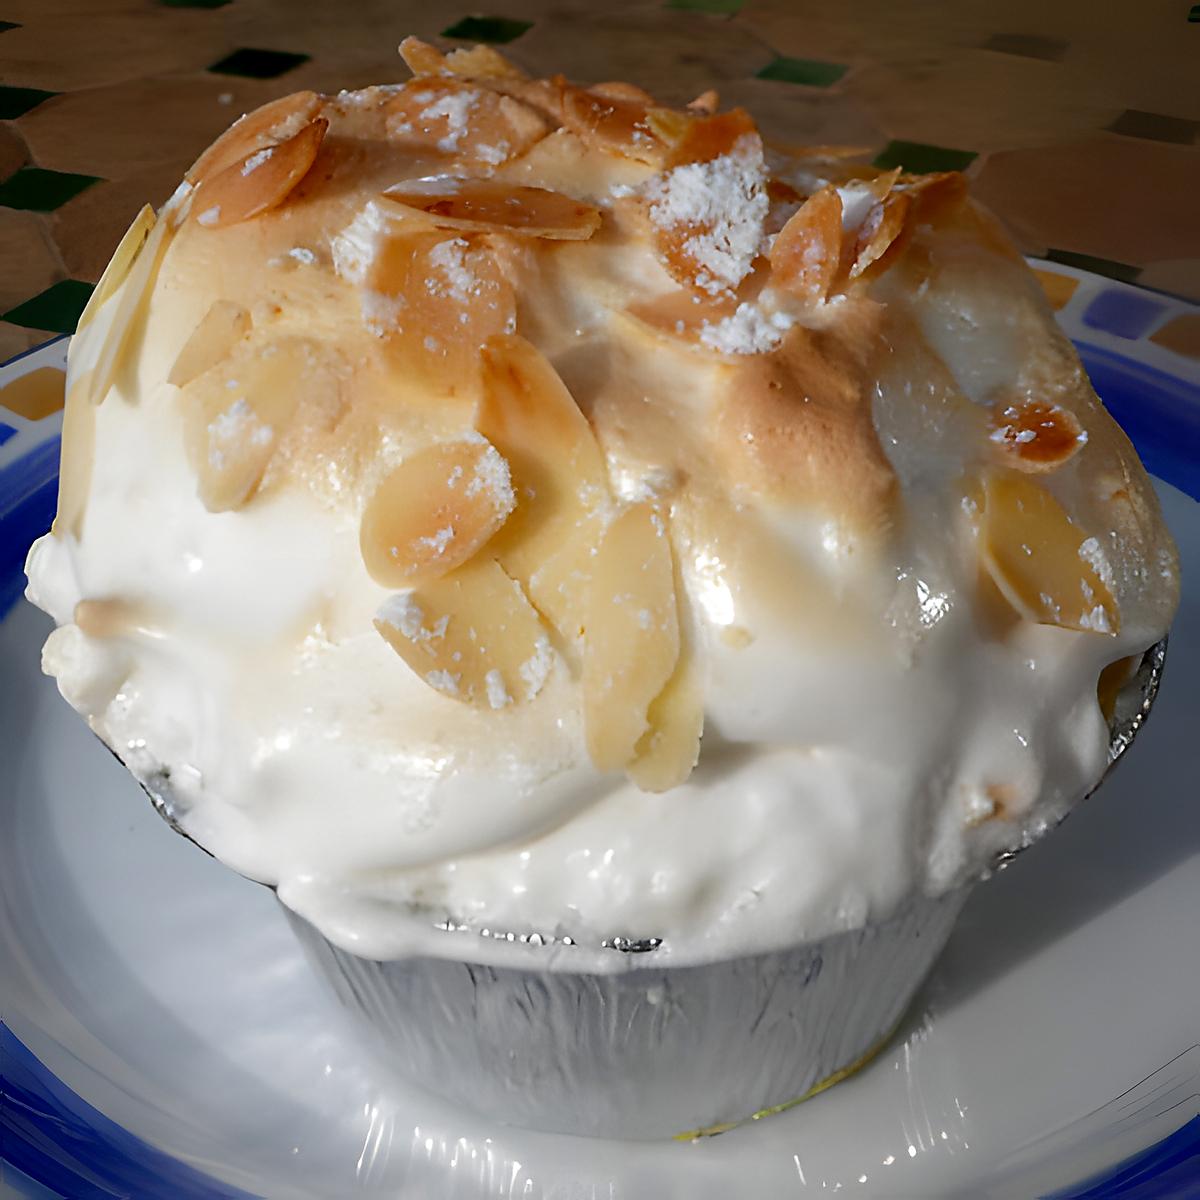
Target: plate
{"x": 163, "y": 1037}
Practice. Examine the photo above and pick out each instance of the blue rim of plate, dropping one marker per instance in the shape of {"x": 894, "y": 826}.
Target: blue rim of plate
{"x": 54, "y": 1144}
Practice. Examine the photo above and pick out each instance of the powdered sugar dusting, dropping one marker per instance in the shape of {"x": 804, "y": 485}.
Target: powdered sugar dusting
{"x": 256, "y": 160}
{"x": 536, "y": 669}
{"x": 455, "y": 107}
{"x": 723, "y": 203}
{"x": 493, "y": 477}
{"x": 747, "y": 330}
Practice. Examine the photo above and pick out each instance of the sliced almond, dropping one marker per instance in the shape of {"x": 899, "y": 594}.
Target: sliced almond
{"x": 682, "y": 315}
{"x": 236, "y": 414}
{"x": 879, "y": 232}
{"x": 434, "y": 299}
{"x": 421, "y": 58}
{"x": 669, "y": 750}
{"x": 1036, "y": 436}
{"x": 265, "y": 126}
{"x": 617, "y": 89}
{"x": 260, "y": 181}
{"x": 461, "y": 119}
{"x": 482, "y": 62}
{"x": 705, "y": 104}
{"x": 119, "y": 266}
{"x": 708, "y": 220}
{"x": 75, "y": 460}
{"x": 491, "y": 206}
{"x": 1042, "y": 562}
{"x": 1112, "y": 682}
{"x": 558, "y": 475}
{"x": 219, "y": 330}
{"x": 435, "y": 511}
{"x": 631, "y": 638}
{"x": 128, "y": 305}
{"x": 472, "y": 635}
{"x": 612, "y": 123}
{"x": 806, "y": 256}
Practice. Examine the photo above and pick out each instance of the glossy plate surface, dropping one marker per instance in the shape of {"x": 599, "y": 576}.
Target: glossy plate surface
{"x": 163, "y": 1036}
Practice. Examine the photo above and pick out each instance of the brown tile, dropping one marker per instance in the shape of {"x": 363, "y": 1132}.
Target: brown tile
{"x": 1117, "y": 198}
{"x": 972, "y": 100}
{"x": 36, "y": 394}
{"x": 15, "y": 340}
{"x": 1180, "y": 276}
{"x": 1058, "y": 288}
{"x": 30, "y": 262}
{"x": 88, "y": 228}
{"x": 75, "y": 44}
{"x": 140, "y": 123}
{"x": 1181, "y": 334}
{"x": 1026, "y": 45}
{"x": 788, "y": 114}
{"x": 675, "y": 54}
{"x": 13, "y": 153}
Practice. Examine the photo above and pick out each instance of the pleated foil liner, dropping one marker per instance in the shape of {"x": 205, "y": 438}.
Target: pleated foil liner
{"x": 648, "y": 1052}
{"x": 645, "y": 1051}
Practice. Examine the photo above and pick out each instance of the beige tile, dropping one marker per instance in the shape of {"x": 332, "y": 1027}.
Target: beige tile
{"x": 1180, "y": 276}
{"x": 75, "y": 44}
{"x": 30, "y": 262}
{"x": 1181, "y": 334}
{"x": 141, "y": 123}
{"x": 36, "y": 394}
{"x": 675, "y": 55}
{"x": 1118, "y": 198}
{"x": 16, "y": 340}
{"x": 980, "y": 100}
{"x": 88, "y": 228}
{"x": 803, "y": 116}
{"x": 13, "y": 153}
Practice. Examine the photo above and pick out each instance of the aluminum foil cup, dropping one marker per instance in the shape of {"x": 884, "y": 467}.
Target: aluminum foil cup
{"x": 646, "y": 1049}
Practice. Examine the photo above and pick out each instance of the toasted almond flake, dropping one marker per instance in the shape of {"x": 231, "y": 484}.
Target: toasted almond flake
{"x": 881, "y": 230}
{"x": 482, "y": 62}
{"x": 708, "y": 209}
{"x": 806, "y": 256}
{"x": 682, "y": 315}
{"x": 1036, "y": 556}
{"x": 1035, "y": 436}
{"x": 236, "y": 413}
{"x": 421, "y": 287}
{"x": 705, "y": 104}
{"x": 237, "y": 193}
{"x": 627, "y": 659}
{"x": 421, "y": 58}
{"x": 469, "y": 123}
{"x": 119, "y": 266}
{"x": 558, "y": 473}
{"x": 435, "y": 511}
{"x": 128, "y": 308}
{"x": 265, "y": 126}
{"x": 219, "y": 330}
{"x": 76, "y": 459}
{"x": 491, "y": 206}
{"x": 670, "y": 748}
{"x": 614, "y": 123}
{"x": 472, "y": 634}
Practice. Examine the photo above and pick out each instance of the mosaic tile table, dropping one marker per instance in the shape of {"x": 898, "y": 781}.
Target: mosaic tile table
{"x": 1078, "y": 123}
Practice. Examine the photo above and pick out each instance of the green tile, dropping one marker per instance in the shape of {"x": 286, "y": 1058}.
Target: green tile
{"x": 258, "y": 64}
{"x": 727, "y": 7}
{"x": 40, "y": 190}
{"x": 487, "y": 29}
{"x": 1194, "y": 14}
{"x": 56, "y": 309}
{"x": 195, "y": 3}
{"x": 17, "y": 101}
{"x": 807, "y": 71}
{"x": 1156, "y": 127}
{"x": 5, "y": 26}
{"x": 1098, "y": 266}
{"x": 920, "y": 159}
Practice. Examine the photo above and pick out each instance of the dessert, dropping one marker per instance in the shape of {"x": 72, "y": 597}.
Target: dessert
{"x": 525, "y": 524}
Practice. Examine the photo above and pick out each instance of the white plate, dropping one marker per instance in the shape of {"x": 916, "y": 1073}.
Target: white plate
{"x": 165, "y": 1038}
